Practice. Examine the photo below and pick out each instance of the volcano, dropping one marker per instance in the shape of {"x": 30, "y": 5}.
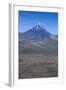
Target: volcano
{"x": 38, "y": 53}
{"x": 35, "y": 33}
{"x": 37, "y": 39}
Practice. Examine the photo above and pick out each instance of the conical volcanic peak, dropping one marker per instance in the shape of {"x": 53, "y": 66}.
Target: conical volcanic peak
{"x": 36, "y": 33}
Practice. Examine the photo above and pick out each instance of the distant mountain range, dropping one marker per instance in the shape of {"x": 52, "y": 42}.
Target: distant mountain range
{"x": 38, "y": 40}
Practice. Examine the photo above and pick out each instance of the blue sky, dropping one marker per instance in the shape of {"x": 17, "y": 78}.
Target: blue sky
{"x": 28, "y": 19}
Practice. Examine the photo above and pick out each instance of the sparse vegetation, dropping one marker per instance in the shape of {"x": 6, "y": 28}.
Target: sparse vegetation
{"x": 38, "y": 54}
{"x": 37, "y": 66}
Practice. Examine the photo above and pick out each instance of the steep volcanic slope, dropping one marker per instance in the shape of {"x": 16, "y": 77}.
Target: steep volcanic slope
{"x": 36, "y": 33}
{"x": 38, "y": 40}
{"x": 38, "y": 53}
